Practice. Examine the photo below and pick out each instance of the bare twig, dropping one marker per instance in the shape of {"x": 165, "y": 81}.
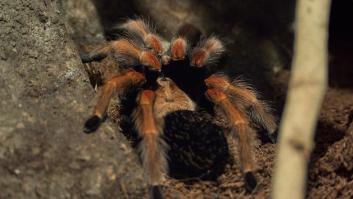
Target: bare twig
{"x": 306, "y": 91}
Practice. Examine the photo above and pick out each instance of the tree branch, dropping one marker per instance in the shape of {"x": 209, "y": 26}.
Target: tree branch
{"x": 306, "y": 92}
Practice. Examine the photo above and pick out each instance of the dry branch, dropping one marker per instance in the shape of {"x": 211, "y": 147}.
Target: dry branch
{"x": 306, "y": 91}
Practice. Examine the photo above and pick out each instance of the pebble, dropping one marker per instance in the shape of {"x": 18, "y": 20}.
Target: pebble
{"x": 74, "y": 165}
{"x": 17, "y": 171}
{"x": 20, "y": 125}
{"x": 3, "y": 56}
{"x": 35, "y": 150}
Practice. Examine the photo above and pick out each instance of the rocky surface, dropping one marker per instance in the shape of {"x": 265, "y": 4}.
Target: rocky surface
{"x": 45, "y": 98}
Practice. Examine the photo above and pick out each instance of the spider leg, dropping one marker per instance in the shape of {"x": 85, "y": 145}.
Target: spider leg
{"x": 115, "y": 84}
{"x": 145, "y": 32}
{"x": 153, "y": 148}
{"x": 240, "y": 124}
{"x": 187, "y": 36}
{"x": 178, "y": 48}
{"x": 208, "y": 51}
{"x": 96, "y": 55}
{"x": 126, "y": 52}
{"x": 245, "y": 95}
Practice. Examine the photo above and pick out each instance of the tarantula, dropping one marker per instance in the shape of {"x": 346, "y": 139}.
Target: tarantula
{"x": 174, "y": 83}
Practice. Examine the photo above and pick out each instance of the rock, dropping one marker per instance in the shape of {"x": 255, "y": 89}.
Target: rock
{"x": 45, "y": 98}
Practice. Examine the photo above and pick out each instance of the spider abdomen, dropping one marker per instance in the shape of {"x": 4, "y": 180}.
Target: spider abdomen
{"x": 198, "y": 148}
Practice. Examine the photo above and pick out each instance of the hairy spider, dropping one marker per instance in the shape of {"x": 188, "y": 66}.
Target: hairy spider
{"x": 171, "y": 92}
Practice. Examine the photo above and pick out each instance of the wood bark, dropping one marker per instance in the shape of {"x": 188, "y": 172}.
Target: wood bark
{"x": 307, "y": 88}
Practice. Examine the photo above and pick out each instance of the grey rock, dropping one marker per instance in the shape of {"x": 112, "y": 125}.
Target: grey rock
{"x": 45, "y": 98}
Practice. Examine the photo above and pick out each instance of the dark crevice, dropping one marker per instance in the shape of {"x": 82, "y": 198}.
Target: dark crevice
{"x": 345, "y": 173}
{"x": 326, "y": 135}
{"x": 341, "y": 44}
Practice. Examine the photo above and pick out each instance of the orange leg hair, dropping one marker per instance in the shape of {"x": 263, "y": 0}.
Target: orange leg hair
{"x": 124, "y": 50}
{"x": 186, "y": 38}
{"x": 152, "y": 146}
{"x": 97, "y": 55}
{"x": 259, "y": 110}
{"x": 207, "y": 52}
{"x": 178, "y": 48}
{"x": 115, "y": 84}
{"x": 144, "y": 31}
{"x": 241, "y": 126}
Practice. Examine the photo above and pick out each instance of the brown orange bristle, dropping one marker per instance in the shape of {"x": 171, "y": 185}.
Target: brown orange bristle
{"x": 124, "y": 46}
{"x": 217, "y": 81}
{"x": 135, "y": 77}
{"x": 243, "y": 131}
{"x": 147, "y": 97}
{"x": 221, "y": 82}
{"x": 213, "y": 45}
{"x": 215, "y": 95}
{"x": 199, "y": 58}
{"x": 152, "y": 147}
{"x": 140, "y": 28}
{"x": 116, "y": 84}
{"x": 154, "y": 43}
{"x": 150, "y": 60}
{"x": 208, "y": 52}
{"x": 137, "y": 26}
{"x": 165, "y": 59}
{"x": 178, "y": 49}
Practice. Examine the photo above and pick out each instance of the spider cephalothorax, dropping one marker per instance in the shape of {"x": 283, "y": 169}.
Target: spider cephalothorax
{"x": 169, "y": 92}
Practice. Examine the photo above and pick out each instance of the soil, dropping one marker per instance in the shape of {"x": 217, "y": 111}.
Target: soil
{"x": 46, "y": 94}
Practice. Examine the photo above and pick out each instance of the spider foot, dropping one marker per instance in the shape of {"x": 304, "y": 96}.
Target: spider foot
{"x": 85, "y": 57}
{"x": 273, "y": 136}
{"x": 155, "y": 192}
{"x": 88, "y": 57}
{"x": 250, "y": 181}
{"x": 92, "y": 124}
